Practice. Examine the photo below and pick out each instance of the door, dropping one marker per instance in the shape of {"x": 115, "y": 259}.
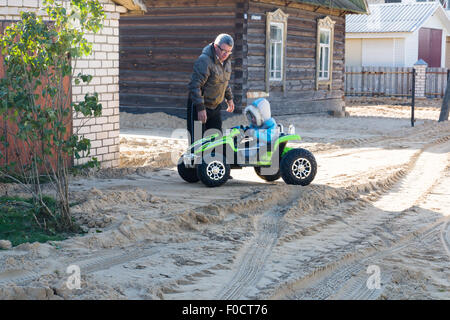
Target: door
{"x": 430, "y": 46}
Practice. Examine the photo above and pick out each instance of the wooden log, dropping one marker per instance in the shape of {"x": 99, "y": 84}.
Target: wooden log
{"x": 133, "y": 99}
{"x": 187, "y": 3}
{"x": 182, "y": 21}
{"x": 189, "y": 10}
{"x": 154, "y": 75}
{"x": 301, "y": 52}
{"x": 172, "y": 30}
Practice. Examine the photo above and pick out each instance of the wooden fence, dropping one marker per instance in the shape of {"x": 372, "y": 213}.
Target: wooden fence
{"x": 436, "y": 82}
{"x": 392, "y": 82}
{"x": 378, "y": 81}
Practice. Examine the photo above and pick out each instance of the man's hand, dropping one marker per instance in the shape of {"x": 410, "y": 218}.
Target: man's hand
{"x": 202, "y": 116}
{"x": 230, "y": 105}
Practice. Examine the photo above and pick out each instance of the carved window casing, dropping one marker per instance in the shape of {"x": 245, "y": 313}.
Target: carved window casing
{"x": 276, "y": 51}
{"x": 276, "y": 33}
{"x": 324, "y": 52}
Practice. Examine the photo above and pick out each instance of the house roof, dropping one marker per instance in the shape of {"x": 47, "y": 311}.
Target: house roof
{"x": 394, "y": 17}
{"x": 356, "y": 6}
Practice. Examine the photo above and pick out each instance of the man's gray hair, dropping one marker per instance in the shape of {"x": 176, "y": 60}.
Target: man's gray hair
{"x": 224, "y": 38}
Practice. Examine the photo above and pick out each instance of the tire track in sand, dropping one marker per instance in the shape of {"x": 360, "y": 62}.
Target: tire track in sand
{"x": 345, "y": 279}
{"x": 356, "y": 287}
{"x": 101, "y": 261}
{"x": 249, "y": 268}
{"x": 445, "y": 237}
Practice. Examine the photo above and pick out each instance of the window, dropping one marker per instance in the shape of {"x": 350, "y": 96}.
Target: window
{"x": 276, "y": 31}
{"x": 276, "y": 51}
{"x": 324, "y": 52}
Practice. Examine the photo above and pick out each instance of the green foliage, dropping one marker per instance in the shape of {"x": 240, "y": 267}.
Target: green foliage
{"x": 18, "y": 223}
{"x": 38, "y": 57}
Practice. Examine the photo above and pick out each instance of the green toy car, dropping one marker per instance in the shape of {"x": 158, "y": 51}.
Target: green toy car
{"x": 211, "y": 159}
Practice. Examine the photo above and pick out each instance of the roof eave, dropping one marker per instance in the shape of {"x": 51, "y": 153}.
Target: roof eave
{"x": 444, "y": 17}
{"x": 364, "y": 10}
{"x": 353, "y": 8}
{"x": 132, "y": 5}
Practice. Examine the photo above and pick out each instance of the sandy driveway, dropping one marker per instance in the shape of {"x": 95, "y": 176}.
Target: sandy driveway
{"x": 379, "y": 206}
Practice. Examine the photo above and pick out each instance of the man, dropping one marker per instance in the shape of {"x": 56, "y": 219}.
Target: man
{"x": 209, "y": 86}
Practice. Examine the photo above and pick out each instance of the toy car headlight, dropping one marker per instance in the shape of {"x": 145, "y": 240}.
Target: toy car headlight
{"x": 291, "y": 129}
{"x": 190, "y": 160}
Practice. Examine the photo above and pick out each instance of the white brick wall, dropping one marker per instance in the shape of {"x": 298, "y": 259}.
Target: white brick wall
{"x": 420, "y": 80}
{"x": 103, "y": 64}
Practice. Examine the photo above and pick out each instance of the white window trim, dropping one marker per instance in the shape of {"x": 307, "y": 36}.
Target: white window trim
{"x": 279, "y": 18}
{"x": 321, "y": 47}
{"x": 325, "y": 24}
{"x": 272, "y": 78}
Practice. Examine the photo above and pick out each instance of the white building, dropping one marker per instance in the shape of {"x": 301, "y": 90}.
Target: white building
{"x": 398, "y": 35}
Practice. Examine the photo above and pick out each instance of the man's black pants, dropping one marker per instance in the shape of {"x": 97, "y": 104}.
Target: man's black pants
{"x": 213, "y": 120}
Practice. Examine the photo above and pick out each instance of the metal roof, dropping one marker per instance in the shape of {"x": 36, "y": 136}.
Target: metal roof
{"x": 391, "y": 17}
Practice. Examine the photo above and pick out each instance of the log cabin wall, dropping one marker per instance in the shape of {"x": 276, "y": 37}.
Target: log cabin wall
{"x": 300, "y": 95}
{"x": 158, "y": 50}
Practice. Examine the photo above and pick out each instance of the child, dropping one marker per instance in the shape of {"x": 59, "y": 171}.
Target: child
{"x": 262, "y": 126}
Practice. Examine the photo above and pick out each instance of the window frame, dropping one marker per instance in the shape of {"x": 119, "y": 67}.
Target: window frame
{"x": 271, "y": 42}
{"x": 322, "y": 47}
{"x": 279, "y": 18}
{"x": 325, "y": 24}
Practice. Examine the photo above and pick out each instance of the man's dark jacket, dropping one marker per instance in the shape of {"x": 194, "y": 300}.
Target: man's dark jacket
{"x": 209, "y": 81}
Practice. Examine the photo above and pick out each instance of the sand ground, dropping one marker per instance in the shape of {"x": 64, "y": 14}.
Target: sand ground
{"x": 379, "y": 206}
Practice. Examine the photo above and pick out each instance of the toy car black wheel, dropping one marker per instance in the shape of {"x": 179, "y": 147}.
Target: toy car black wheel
{"x": 188, "y": 174}
{"x": 213, "y": 171}
{"x": 268, "y": 177}
{"x": 298, "y": 166}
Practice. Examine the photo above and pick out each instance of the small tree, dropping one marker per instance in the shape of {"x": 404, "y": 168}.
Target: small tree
{"x": 38, "y": 58}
